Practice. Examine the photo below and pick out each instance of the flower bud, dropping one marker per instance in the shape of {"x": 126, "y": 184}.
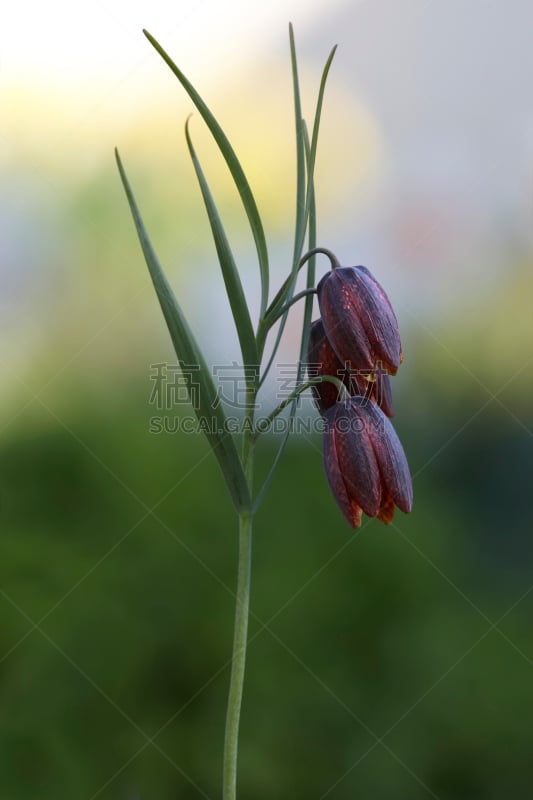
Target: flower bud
{"x": 358, "y": 319}
{"x": 364, "y": 462}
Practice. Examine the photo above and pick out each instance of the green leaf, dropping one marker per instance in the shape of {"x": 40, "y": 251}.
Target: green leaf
{"x": 301, "y": 215}
{"x": 234, "y": 167}
{"x": 305, "y": 330}
{"x": 311, "y": 244}
{"x": 303, "y": 196}
{"x": 316, "y": 127}
{"x": 207, "y": 408}
{"x": 284, "y": 292}
{"x": 236, "y": 297}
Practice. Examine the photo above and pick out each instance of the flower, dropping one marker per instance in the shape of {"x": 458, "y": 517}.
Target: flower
{"x": 364, "y": 461}
{"x": 358, "y": 319}
{"x": 322, "y": 360}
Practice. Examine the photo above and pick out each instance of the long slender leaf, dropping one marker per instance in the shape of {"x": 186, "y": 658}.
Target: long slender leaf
{"x": 316, "y": 127}
{"x": 283, "y": 294}
{"x": 311, "y": 271}
{"x": 305, "y": 333}
{"x": 207, "y": 408}
{"x": 301, "y": 225}
{"x": 299, "y": 232}
{"x": 236, "y": 297}
{"x": 287, "y": 289}
{"x": 234, "y": 167}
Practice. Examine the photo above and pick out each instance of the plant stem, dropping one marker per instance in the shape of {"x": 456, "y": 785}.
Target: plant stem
{"x": 240, "y": 631}
{"x": 305, "y": 293}
{"x": 264, "y": 423}
{"x": 335, "y": 264}
{"x": 238, "y": 658}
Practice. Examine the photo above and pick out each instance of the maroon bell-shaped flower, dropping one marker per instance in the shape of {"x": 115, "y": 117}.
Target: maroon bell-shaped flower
{"x": 322, "y": 360}
{"x": 364, "y": 462}
{"x": 358, "y": 319}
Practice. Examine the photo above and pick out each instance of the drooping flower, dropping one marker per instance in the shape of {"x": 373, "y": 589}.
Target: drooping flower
{"x": 364, "y": 461}
{"x": 358, "y": 319}
{"x": 322, "y": 360}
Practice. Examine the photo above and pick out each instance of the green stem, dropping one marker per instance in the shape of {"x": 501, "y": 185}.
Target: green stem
{"x": 276, "y": 307}
{"x": 240, "y": 631}
{"x": 264, "y": 424}
{"x": 305, "y": 293}
{"x": 335, "y": 264}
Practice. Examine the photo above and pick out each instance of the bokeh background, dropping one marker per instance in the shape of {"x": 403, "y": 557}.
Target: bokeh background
{"x": 393, "y": 662}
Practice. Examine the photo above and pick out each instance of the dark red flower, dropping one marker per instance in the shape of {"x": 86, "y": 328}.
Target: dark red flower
{"x": 364, "y": 462}
{"x": 358, "y": 319}
{"x": 381, "y": 390}
{"x": 322, "y": 360}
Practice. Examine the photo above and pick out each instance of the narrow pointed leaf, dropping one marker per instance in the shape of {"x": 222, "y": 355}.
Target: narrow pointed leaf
{"x": 301, "y": 219}
{"x": 305, "y": 330}
{"x": 300, "y": 155}
{"x": 236, "y": 297}
{"x": 207, "y": 408}
{"x": 311, "y": 276}
{"x": 287, "y": 289}
{"x": 234, "y": 167}
{"x": 284, "y": 292}
{"x": 316, "y": 127}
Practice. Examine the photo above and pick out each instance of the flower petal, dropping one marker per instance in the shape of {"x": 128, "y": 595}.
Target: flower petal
{"x": 334, "y": 475}
{"x": 381, "y": 321}
{"x": 356, "y": 457}
{"x": 375, "y": 385}
{"x": 384, "y": 394}
{"x": 358, "y": 318}
{"x": 322, "y": 360}
{"x": 392, "y": 463}
{"x": 340, "y": 310}
{"x": 386, "y": 512}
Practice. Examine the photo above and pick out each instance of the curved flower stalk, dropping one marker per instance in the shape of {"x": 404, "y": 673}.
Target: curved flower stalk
{"x": 350, "y": 353}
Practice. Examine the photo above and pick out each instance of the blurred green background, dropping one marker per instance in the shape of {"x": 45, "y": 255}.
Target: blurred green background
{"x": 392, "y": 662}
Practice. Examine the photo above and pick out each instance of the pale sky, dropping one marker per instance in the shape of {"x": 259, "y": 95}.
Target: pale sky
{"x": 61, "y": 43}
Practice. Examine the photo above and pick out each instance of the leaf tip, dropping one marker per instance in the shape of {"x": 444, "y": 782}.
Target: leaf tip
{"x": 150, "y": 38}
